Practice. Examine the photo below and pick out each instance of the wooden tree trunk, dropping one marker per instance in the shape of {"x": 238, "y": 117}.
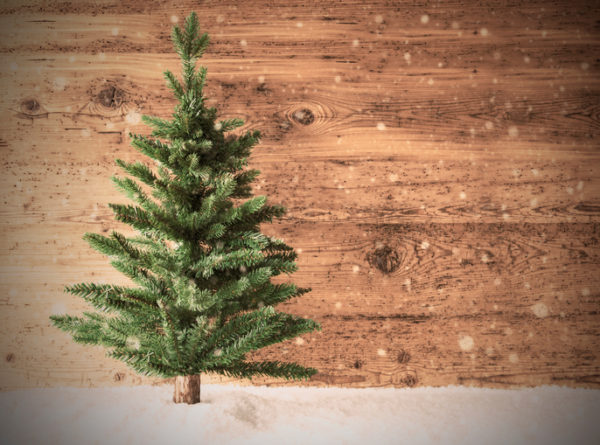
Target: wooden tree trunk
{"x": 187, "y": 389}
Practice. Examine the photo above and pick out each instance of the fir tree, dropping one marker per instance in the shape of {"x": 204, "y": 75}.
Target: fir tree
{"x": 203, "y": 297}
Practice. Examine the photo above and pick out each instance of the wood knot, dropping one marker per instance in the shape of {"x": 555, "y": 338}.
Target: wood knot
{"x": 358, "y": 364}
{"x": 111, "y": 97}
{"x": 409, "y": 380}
{"x": 30, "y": 106}
{"x": 403, "y": 356}
{"x": 10, "y": 357}
{"x": 304, "y": 116}
{"x": 262, "y": 88}
{"x": 385, "y": 259}
{"x": 119, "y": 376}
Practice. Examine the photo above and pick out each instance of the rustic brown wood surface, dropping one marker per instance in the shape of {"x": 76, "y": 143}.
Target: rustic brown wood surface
{"x": 440, "y": 163}
{"x": 187, "y": 389}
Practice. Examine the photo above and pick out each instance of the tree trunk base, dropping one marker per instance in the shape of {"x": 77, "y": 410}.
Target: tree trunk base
{"x": 187, "y": 389}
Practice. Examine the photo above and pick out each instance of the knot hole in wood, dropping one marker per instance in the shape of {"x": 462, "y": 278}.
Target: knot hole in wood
{"x": 111, "y": 97}
{"x": 384, "y": 258}
{"x": 303, "y": 116}
{"x": 30, "y": 105}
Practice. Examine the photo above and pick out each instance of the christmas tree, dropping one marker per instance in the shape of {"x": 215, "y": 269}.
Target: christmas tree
{"x": 202, "y": 297}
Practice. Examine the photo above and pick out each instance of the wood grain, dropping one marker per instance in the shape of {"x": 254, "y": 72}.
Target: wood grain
{"x": 439, "y": 164}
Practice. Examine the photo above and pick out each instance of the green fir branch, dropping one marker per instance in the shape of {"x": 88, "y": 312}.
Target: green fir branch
{"x": 289, "y": 371}
{"x": 108, "y": 297}
{"x": 139, "y": 170}
{"x": 174, "y": 84}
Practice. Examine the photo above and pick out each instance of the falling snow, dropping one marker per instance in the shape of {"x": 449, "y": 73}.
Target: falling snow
{"x": 540, "y": 310}
{"x": 466, "y": 342}
{"x": 59, "y": 309}
{"x": 133, "y": 117}
{"x": 132, "y": 342}
{"x": 59, "y": 83}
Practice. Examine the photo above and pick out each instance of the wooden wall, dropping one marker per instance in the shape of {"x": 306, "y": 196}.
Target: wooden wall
{"x": 439, "y": 161}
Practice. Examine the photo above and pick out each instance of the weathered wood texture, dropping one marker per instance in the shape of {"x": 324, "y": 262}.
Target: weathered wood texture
{"x": 440, "y": 164}
{"x": 187, "y": 389}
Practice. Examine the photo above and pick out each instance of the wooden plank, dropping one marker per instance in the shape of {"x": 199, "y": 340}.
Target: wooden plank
{"x": 535, "y": 112}
{"x": 395, "y": 190}
{"x": 483, "y": 304}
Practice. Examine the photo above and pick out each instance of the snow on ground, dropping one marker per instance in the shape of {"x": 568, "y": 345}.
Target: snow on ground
{"x": 294, "y": 415}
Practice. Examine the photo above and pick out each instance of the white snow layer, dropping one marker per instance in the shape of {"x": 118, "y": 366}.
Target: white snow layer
{"x": 293, "y": 415}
